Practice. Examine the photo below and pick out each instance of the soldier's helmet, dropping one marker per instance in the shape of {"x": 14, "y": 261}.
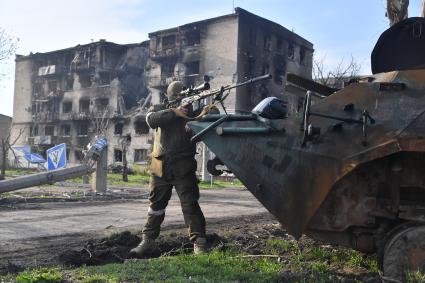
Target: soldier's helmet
{"x": 174, "y": 89}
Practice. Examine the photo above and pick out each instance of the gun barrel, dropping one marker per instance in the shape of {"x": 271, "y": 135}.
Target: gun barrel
{"x": 251, "y": 81}
{"x": 207, "y": 92}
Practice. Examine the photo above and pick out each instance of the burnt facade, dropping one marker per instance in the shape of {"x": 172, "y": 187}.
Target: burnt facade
{"x": 229, "y": 49}
{"x": 71, "y": 95}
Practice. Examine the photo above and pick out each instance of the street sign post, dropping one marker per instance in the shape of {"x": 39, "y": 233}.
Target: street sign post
{"x": 56, "y": 157}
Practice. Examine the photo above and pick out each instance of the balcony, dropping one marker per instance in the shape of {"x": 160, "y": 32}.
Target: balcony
{"x": 41, "y": 140}
{"x": 45, "y": 116}
{"x": 74, "y": 116}
{"x": 165, "y": 53}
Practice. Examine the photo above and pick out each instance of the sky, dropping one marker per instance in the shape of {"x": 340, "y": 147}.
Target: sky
{"x": 339, "y": 29}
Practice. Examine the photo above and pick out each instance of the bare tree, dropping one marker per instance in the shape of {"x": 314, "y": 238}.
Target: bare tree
{"x": 336, "y": 77}
{"x": 8, "y": 46}
{"x": 101, "y": 119}
{"x": 397, "y": 10}
{"x": 125, "y": 143}
{"x": 7, "y": 144}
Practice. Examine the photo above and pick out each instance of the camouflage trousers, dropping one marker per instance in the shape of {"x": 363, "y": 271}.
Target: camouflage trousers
{"x": 188, "y": 192}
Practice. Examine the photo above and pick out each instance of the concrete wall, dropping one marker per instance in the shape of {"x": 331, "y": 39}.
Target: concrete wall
{"x": 220, "y": 55}
{"x": 5, "y": 123}
{"x": 264, "y": 47}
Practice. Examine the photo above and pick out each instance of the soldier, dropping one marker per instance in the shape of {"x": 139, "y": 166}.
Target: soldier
{"x": 173, "y": 165}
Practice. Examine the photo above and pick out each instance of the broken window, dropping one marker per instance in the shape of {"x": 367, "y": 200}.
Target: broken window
{"x": 279, "y": 44}
{"x": 252, "y": 36}
{"x": 102, "y": 104}
{"x": 291, "y": 51}
{"x": 49, "y": 131}
{"x": 141, "y": 128}
{"x": 266, "y": 69}
{"x": 83, "y": 129}
{"x": 168, "y": 41}
{"x": 79, "y": 156}
{"x": 117, "y": 155}
{"x": 279, "y": 75}
{"x": 267, "y": 42}
{"x": 69, "y": 84}
{"x": 67, "y": 107}
{"x": 167, "y": 69}
{"x": 104, "y": 78}
{"x": 34, "y": 131}
{"x": 193, "y": 38}
{"x": 302, "y": 55}
{"x": 140, "y": 155}
{"x": 47, "y": 70}
{"x": 66, "y": 130}
{"x": 85, "y": 81}
{"x": 192, "y": 68}
{"x": 52, "y": 85}
{"x": 84, "y": 105}
{"x": 37, "y": 89}
{"x": 118, "y": 129}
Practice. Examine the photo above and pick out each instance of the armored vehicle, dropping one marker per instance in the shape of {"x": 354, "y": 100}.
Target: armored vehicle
{"x": 350, "y": 168}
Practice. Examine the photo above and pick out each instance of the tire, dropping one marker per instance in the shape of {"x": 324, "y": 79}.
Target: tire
{"x": 404, "y": 252}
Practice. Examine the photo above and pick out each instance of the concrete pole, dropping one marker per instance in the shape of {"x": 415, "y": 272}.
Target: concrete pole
{"x": 422, "y": 11}
{"x": 205, "y": 175}
{"x": 99, "y": 176}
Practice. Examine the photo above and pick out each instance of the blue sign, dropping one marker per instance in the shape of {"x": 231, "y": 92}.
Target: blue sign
{"x": 34, "y": 158}
{"x": 23, "y": 149}
{"x": 56, "y": 157}
{"x": 100, "y": 144}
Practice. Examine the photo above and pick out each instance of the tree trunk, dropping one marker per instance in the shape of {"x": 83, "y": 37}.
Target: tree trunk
{"x": 4, "y": 158}
{"x": 124, "y": 165}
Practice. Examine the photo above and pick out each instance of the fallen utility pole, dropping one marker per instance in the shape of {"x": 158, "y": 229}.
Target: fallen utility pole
{"x": 93, "y": 161}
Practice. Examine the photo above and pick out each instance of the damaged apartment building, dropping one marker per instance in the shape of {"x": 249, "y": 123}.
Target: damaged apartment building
{"x": 71, "y": 95}
{"x": 229, "y": 49}
{"x": 68, "y": 96}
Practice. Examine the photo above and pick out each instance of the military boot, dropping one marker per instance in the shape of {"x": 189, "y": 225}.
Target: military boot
{"x": 200, "y": 245}
{"x": 147, "y": 246}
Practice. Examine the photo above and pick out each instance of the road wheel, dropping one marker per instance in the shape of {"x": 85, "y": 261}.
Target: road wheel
{"x": 403, "y": 252}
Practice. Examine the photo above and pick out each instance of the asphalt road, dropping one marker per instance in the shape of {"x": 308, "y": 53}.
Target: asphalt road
{"x": 49, "y": 219}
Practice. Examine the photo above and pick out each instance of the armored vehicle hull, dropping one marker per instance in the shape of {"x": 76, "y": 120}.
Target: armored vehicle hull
{"x": 349, "y": 169}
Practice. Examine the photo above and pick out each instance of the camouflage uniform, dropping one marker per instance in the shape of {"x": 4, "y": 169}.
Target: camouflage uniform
{"x": 173, "y": 165}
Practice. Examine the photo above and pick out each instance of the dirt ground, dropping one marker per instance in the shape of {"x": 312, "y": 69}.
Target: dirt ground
{"x": 234, "y": 218}
{"x": 38, "y": 224}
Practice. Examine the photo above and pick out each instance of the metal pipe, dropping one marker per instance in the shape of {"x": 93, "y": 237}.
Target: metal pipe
{"x": 196, "y": 137}
{"x": 237, "y": 117}
{"x": 258, "y": 130}
{"x": 347, "y": 120}
{"x": 44, "y": 178}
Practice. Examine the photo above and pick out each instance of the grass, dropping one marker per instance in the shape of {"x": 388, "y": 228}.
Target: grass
{"x": 216, "y": 266}
{"x": 415, "y": 277}
{"x": 232, "y": 265}
{"x": 135, "y": 180}
{"x": 278, "y": 258}
{"x": 319, "y": 260}
{"x": 45, "y": 275}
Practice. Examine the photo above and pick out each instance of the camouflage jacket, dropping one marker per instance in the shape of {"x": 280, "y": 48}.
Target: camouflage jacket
{"x": 171, "y": 139}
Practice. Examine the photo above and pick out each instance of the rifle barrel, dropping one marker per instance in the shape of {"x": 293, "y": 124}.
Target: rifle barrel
{"x": 212, "y": 92}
